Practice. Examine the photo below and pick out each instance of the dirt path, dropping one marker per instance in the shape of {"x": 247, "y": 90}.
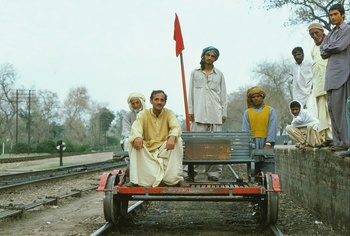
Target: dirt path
{"x": 74, "y": 216}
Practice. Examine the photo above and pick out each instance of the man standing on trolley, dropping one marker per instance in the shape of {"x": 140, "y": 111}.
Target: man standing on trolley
{"x": 261, "y": 120}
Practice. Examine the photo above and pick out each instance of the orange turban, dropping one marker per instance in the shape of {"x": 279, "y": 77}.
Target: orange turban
{"x": 254, "y": 90}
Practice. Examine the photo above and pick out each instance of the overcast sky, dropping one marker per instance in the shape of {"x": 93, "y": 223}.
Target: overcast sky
{"x": 114, "y": 47}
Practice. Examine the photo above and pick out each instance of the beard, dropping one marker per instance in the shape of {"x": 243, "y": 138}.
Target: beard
{"x": 138, "y": 110}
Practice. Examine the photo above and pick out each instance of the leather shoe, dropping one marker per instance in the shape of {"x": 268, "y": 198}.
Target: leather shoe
{"x": 345, "y": 154}
{"x": 213, "y": 178}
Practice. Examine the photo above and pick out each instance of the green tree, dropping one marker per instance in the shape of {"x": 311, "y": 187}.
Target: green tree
{"x": 105, "y": 120}
{"x": 117, "y": 127}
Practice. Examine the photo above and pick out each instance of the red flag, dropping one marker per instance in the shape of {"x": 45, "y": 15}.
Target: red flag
{"x": 178, "y": 36}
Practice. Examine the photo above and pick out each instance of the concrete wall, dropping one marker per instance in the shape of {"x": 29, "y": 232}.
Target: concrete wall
{"x": 319, "y": 180}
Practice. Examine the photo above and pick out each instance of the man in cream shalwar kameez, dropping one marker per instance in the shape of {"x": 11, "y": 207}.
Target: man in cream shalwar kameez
{"x": 319, "y": 75}
{"x": 155, "y": 149}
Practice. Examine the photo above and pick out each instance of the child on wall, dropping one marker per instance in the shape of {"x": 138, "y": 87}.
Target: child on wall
{"x": 304, "y": 127}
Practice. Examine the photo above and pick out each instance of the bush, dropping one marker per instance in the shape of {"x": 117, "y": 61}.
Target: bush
{"x": 20, "y": 148}
{"x": 46, "y": 146}
{"x": 70, "y": 147}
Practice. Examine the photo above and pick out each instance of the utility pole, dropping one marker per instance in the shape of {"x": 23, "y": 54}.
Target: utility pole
{"x": 30, "y": 95}
{"x": 16, "y": 117}
{"x": 20, "y": 93}
{"x": 29, "y": 122}
{"x": 20, "y": 96}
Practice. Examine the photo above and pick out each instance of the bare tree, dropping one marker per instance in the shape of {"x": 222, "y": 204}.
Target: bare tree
{"x": 273, "y": 77}
{"x": 235, "y": 109}
{"x": 306, "y": 11}
{"x": 8, "y": 76}
{"x": 76, "y": 111}
{"x": 45, "y": 112}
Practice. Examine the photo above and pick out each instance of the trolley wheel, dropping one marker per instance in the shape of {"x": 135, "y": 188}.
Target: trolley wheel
{"x": 114, "y": 208}
{"x": 269, "y": 206}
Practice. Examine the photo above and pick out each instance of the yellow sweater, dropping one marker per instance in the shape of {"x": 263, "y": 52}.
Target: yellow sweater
{"x": 259, "y": 121}
{"x": 155, "y": 130}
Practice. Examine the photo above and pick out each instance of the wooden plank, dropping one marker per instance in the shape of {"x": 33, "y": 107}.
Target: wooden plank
{"x": 207, "y": 149}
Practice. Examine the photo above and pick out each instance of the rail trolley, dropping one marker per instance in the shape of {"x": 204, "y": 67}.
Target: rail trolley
{"x": 203, "y": 148}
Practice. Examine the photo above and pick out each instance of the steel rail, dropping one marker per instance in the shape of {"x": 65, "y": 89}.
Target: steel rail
{"x": 276, "y": 231}
{"x": 35, "y": 158}
{"x": 108, "y": 226}
{"x": 20, "y": 179}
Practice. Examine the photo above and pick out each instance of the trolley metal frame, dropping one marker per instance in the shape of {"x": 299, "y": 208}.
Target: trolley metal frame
{"x": 203, "y": 148}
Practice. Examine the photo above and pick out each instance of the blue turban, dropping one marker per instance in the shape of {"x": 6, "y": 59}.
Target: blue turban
{"x": 211, "y": 49}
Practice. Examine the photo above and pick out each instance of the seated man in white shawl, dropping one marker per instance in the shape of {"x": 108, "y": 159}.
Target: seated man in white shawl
{"x": 155, "y": 148}
{"x": 304, "y": 126}
{"x": 136, "y": 102}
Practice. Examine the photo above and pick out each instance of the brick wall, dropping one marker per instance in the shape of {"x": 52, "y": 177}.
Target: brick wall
{"x": 319, "y": 180}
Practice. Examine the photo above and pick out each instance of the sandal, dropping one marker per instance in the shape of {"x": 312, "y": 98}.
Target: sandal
{"x": 300, "y": 145}
{"x": 326, "y": 143}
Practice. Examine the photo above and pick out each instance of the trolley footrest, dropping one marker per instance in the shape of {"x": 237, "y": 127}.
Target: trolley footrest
{"x": 194, "y": 189}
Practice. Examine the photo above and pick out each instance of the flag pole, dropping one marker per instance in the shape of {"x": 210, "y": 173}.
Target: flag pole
{"x": 184, "y": 92}
{"x": 178, "y": 49}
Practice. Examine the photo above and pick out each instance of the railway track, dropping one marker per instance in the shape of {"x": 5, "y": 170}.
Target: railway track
{"x": 166, "y": 219}
{"x": 109, "y": 227}
{"x": 18, "y": 179}
{"x": 34, "y": 158}
{"x": 9, "y": 181}
{"x": 19, "y": 210}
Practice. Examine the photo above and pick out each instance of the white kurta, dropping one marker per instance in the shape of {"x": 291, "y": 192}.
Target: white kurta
{"x": 319, "y": 75}
{"x": 207, "y": 96}
{"x": 302, "y": 81}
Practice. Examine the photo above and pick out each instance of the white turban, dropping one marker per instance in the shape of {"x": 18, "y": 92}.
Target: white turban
{"x": 140, "y": 96}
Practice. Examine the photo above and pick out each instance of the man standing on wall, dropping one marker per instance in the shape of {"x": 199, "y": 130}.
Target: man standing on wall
{"x": 335, "y": 48}
{"x": 319, "y": 73}
{"x": 301, "y": 72}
